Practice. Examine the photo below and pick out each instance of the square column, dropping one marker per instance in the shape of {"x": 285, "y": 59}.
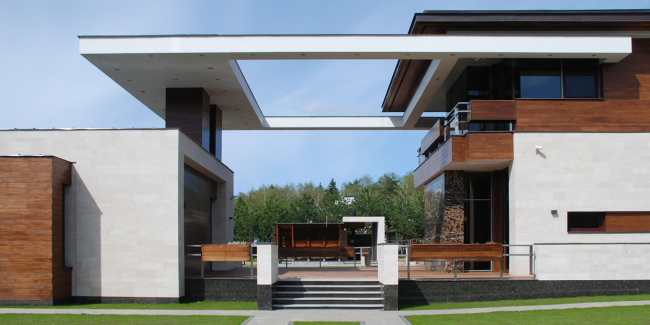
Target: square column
{"x": 267, "y": 274}
{"x": 388, "y": 272}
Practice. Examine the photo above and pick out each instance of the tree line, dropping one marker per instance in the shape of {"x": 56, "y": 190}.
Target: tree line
{"x": 391, "y": 196}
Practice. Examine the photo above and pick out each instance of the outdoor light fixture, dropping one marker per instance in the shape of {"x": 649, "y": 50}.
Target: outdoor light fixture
{"x": 554, "y": 213}
{"x": 538, "y": 149}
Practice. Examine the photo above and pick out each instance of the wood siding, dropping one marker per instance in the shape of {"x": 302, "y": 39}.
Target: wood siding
{"x": 31, "y": 229}
{"x": 199, "y": 192}
{"x": 225, "y": 253}
{"x": 407, "y": 77}
{"x": 627, "y": 221}
{"x": 494, "y": 110}
{"x": 457, "y": 149}
{"x": 460, "y": 252}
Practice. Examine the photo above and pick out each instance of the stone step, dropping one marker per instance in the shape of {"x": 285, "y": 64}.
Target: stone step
{"x": 328, "y": 306}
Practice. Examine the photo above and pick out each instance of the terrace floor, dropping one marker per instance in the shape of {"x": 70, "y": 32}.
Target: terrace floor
{"x": 418, "y": 272}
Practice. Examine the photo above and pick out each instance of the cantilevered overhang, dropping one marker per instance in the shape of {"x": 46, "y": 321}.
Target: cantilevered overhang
{"x": 147, "y": 65}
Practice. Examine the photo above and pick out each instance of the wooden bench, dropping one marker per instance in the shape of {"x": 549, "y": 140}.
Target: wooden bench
{"x": 458, "y": 253}
{"x": 226, "y": 253}
{"x": 285, "y": 252}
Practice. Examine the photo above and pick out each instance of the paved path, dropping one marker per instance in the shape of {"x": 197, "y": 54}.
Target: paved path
{"x": 284, "y": 317}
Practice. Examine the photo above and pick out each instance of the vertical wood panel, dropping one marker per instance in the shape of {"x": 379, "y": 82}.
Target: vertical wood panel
{"x": 31, "y": 228}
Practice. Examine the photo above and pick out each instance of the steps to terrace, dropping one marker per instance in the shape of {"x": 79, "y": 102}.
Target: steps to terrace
{"x": 293, "y": 294}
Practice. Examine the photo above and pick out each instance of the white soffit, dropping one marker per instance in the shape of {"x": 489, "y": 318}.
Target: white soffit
{"x": 146, "y": 65}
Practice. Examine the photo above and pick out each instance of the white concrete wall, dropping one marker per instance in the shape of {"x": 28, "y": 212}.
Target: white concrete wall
{"x": 388, "y": 264}
{"x": 267, "y": 263}
{"x": 576, "y": 172}
{"x": 593, "y": 262}
{"x": 124, "y": 210}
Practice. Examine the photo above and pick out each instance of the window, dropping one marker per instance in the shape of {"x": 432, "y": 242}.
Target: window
{"x": 586, "y": 221}
{"x": 540, "y": 78}
{"x": 580, "y": 78}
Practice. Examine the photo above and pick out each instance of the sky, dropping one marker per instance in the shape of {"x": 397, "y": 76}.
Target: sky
{"x": 45, "y": 83}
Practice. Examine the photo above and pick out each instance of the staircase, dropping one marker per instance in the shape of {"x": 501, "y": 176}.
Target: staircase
{"x": 291, "y": 294}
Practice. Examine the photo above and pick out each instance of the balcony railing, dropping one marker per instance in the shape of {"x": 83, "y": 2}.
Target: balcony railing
{"x": 457, "y": 123}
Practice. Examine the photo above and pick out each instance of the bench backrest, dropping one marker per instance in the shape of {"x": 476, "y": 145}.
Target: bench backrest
{"x": 423, "y": 252}
{"x": 316, "y": 251}
{"x": 225, "y": 253}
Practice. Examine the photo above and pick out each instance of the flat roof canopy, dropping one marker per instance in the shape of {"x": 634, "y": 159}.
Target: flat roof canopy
{"x": 146, "y": 66}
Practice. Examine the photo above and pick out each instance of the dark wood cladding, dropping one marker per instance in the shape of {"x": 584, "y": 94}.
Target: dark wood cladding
{"x": 437, "y": 131}
{"x": 189, "y": 110}
{"x": 494, "y": 110}
{"x": 216, "y": 129}
{"x": 199, "y": 192}
{"x": 457, "y": 149}
{"x": 406, "y": 79}
{"x": 31, "y": 229}
{"x": 627, "y": 221}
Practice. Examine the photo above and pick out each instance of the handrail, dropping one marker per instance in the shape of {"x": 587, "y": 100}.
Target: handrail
{"x": 531, "y": 256}
{"x": 453, "y": 115}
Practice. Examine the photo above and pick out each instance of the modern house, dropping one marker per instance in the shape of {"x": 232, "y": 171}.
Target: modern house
{"x": 544, "y": 149}
{"x": 544, "y": 145}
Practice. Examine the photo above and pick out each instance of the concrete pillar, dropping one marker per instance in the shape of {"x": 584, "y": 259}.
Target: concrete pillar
{"x": 267, "y": 274}
{"x": 388, "y": 272}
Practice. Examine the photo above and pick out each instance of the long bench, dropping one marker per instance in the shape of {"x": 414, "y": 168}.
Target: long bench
{"x": 458, "y": 253}
{"x": 285, "y": 252}
{"x": 225, "y": 253}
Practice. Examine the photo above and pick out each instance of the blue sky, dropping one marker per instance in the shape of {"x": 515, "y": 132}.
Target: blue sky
{"x": 46, "y": 83}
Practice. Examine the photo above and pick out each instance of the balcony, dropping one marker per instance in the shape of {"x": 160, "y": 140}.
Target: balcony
{"x": 474, "y": 136}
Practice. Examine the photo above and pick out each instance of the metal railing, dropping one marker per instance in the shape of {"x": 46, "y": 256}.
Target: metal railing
{"x": 404, "y": 251}
{"x": 531, "y": 256}
{"x": 456, "y": 122}
{"x": 362, "y": 250}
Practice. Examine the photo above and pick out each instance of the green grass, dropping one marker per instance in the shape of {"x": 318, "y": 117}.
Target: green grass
{"x": 199, "y": 305}
{"x": 523, "y": 302}
{"x": 10, "y": 319}
{"x": 603, "y": 315}
{"x": 326, "y": 323}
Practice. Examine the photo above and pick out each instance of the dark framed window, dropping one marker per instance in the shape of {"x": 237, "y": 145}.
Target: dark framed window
{"x": 580, "y": 78}
{"x": 540, "y": 78}
{"x": 586, "y": 221}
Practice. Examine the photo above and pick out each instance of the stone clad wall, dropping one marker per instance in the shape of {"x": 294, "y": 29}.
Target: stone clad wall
{"x": 445, "y": 213}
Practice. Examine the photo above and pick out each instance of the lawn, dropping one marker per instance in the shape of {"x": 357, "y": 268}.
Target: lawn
{"x": 10, "y": 319}
{"x": 603, "y": 315}
{"x": 199, "y": 305}
{"x": 523, "y": 302}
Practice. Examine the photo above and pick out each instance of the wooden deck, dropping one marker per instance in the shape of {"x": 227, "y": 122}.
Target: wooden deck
{"x": 418, "y": 272}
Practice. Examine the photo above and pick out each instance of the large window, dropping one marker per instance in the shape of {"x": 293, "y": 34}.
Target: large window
{"x": 528, "y": 78}
{"x": 540, "y": 78}
{"x": 580, "y": 78}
